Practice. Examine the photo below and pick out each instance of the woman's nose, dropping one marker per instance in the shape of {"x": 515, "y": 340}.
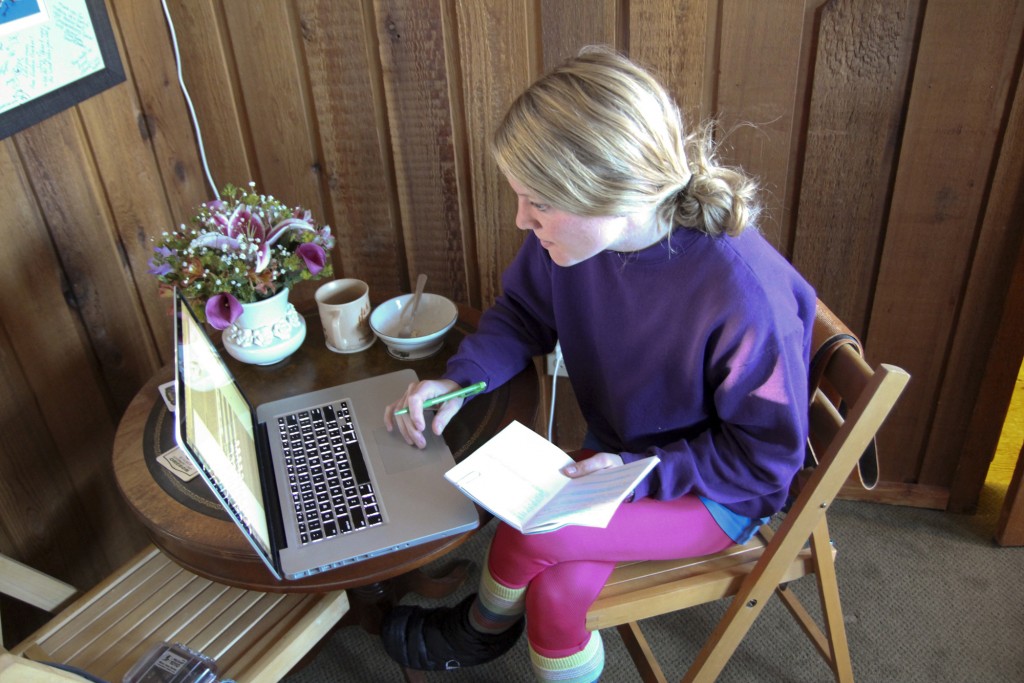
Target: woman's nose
{"x": 524, "y": 221}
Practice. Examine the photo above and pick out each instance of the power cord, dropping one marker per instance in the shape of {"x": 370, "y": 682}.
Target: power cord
{"x": 188, "y": 100}
{"x": 554, "y": 388}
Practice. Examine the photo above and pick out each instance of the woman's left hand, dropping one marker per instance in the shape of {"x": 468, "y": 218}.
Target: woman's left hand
{"x": 598, "y": 461}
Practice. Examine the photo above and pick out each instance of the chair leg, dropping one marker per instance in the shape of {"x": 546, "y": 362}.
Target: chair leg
{"x": 641, "y": 654}
{"x": 833, "y": 648}
{"x": 722, "y": 643}
{"x": 743, "y": 610}
{"x": 832, "y": 610}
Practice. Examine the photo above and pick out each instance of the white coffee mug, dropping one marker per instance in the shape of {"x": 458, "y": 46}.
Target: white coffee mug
{"x": 344, "y": 307}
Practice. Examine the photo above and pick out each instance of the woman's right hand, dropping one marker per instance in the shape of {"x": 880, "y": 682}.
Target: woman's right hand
{"x": 412, "y": 424}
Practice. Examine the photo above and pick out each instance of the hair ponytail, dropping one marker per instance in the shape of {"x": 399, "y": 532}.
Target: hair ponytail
{"x": 715, "y": 199}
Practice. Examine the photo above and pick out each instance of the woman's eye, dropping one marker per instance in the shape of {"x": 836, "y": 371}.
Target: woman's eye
{"x": 539, "y": 207}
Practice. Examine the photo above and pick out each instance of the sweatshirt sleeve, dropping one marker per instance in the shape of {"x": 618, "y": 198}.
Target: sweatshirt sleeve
{"x": 519, "y": 326}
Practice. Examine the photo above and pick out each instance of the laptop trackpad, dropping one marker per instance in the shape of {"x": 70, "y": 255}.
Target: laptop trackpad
{"x": 399, "y": 456}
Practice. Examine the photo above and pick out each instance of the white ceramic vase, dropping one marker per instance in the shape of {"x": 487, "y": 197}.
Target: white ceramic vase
{"x": 267, "y": 332}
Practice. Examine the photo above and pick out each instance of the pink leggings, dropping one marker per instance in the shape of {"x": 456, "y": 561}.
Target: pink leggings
{"x": 566, "y": 569}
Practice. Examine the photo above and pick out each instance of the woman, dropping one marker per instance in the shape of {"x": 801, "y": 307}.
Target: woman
{"x": 684, "y": 333}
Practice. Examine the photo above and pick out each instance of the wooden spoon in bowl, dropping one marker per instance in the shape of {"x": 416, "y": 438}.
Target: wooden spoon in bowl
{"x": 409, "y": 314}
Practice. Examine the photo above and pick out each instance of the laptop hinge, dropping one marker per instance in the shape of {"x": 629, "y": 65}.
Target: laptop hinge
{"x": 275, "y": 525}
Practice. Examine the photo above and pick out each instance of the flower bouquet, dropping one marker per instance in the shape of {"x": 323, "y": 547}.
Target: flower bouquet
{"x": 242, "y": 248}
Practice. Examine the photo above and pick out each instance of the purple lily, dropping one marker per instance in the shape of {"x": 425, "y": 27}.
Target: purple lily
{"x": 313, "y": 256}
{"x": 161, "y": 269}
{"x": 222, "y": 310}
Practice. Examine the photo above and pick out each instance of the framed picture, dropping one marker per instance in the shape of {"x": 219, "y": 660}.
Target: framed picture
{"x": 53, "y": 55}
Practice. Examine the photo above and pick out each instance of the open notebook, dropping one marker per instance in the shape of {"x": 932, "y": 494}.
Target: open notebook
{"x": 314, "y": 481}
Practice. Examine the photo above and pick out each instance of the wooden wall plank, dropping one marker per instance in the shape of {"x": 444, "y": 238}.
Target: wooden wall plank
{"x": 948, "y": 152}
{"x": 78, "y": 217}
{"x": 211, "y": 76}
{"x": 498, "y": 61}
{"x": 863, "y": 47}
{"x": 463, "y": 132}
{"x": 344, "y": 70}
{"x": 989, "y": 338}
{"x": 996, "y": 390}
{"x": 565, "y": 27}
{"x": 30, "y": 481}
{"x": 416, "y": 83}
{"x": 672, "y": 38}
{"x": 758, "y": 84}
{"x": 1010, "y": 528}
{"x": 32, "y": 478}
{"x": 50, "y": 355}
{"x": 121, "y": 148}
{"x": 150, "y": 190}
{"x": 147, "y": 50}
{"x": 274, "y": 84}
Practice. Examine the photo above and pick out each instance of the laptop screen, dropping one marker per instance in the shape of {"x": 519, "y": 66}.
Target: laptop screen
{"x": 215, "y": 425}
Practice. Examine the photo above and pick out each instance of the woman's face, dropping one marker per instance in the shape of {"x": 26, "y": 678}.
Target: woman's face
{"x": 568, "y": 238}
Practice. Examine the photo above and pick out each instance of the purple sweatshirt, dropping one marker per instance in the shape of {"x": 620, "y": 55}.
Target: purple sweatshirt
{"x": 695, "y": 350}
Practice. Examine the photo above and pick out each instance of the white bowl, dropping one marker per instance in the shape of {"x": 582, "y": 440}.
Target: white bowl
{"x": 435, "y": 316}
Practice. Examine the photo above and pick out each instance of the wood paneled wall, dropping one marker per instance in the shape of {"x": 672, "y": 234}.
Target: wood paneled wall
{"x": 887, "y": 135}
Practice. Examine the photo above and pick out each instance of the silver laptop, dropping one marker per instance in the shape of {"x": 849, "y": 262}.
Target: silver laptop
{"x": 313, "y": 481}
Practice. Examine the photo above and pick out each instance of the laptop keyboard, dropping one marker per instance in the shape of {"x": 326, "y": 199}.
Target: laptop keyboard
{"x": 330, "y": 485}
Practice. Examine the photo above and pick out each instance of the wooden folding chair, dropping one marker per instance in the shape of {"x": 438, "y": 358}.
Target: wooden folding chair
{"x": 253, "y": 637}
{"x": 849, "y": 404}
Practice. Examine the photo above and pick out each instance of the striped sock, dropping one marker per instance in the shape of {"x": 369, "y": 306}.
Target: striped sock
{"x": 583, "y": 667}
{"x": 496, "y": 606}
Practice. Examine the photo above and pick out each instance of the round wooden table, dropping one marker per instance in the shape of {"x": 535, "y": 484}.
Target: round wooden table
{"x": 185, "y": 521}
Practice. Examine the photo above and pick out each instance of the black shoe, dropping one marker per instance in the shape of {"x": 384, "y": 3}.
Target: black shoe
{"x": 442, "y": 639}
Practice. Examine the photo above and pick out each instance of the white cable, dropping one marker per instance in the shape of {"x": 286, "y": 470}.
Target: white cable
{"x": 188, "y": 100}
{"x": 554, "y": 387}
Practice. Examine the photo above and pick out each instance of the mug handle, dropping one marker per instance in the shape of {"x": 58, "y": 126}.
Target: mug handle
{"x": 336, "y": 329}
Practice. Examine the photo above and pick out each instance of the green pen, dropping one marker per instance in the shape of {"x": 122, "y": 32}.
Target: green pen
{"x": 471, "y": 390}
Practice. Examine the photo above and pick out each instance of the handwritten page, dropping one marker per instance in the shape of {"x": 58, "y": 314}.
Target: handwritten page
{"x": 516, "y": 475}
{"x": 44, "y": 46}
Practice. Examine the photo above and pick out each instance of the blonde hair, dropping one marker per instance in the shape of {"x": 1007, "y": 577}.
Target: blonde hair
{"x": 599, "y": 136}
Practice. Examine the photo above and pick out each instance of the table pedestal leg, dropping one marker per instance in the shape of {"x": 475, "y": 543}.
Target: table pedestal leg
{"x": 369, "y": 603}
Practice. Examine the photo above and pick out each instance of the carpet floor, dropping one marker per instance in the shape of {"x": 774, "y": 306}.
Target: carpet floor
{"x": 927, "y": 596}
